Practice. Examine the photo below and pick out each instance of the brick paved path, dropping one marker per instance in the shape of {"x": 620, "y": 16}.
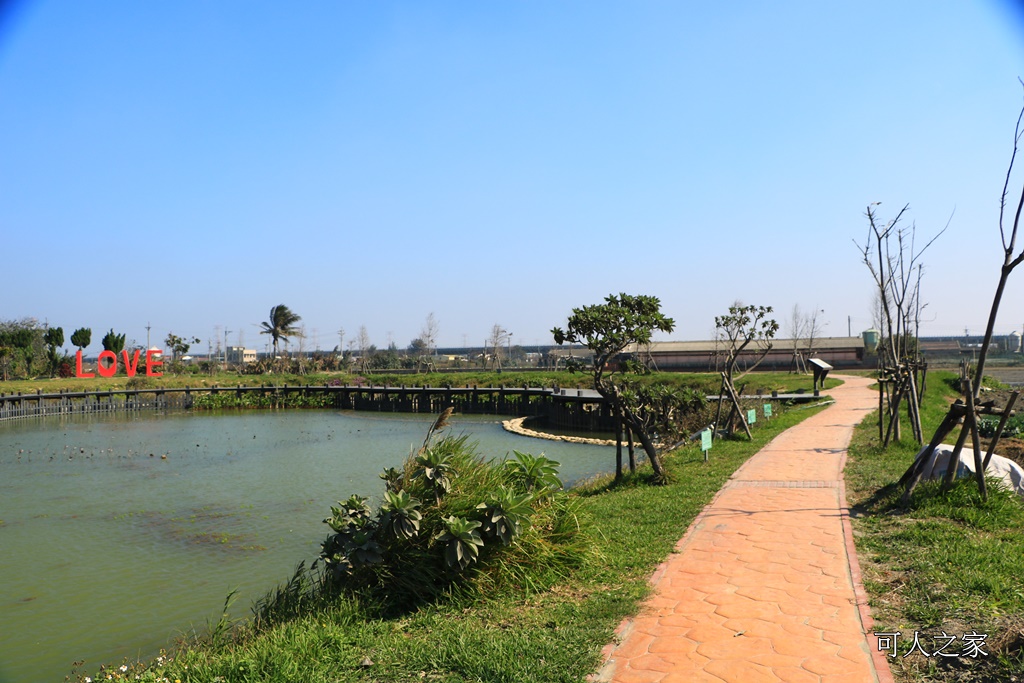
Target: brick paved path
{"x": 764, "y": 586}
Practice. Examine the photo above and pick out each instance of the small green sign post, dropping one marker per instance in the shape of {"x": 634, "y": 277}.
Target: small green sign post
{"x": 752, "y": 416}
{"x": 705, "y": 442}
{"x": 768, "y": 410}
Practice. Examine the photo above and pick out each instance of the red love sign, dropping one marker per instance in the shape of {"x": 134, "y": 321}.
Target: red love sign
{"x": 131, "y": 364}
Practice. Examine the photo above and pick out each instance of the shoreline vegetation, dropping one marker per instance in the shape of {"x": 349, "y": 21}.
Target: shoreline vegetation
{"x": 709, "y": 382}
{"x": 548, "y": 624}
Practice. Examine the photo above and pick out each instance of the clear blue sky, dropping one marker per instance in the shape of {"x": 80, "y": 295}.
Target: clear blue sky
{"x": 192, "y": 164}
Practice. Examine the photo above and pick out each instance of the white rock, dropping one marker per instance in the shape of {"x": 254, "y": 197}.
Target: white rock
{"x": 1004, "y": 469}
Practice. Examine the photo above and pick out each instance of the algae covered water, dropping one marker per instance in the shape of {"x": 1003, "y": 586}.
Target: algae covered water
{"x": 119, "y": 533}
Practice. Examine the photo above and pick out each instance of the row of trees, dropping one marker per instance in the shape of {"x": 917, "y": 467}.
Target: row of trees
{"x": 282, "y": 325}
{"x": 28, "y": 349}
{"x": 627, "y": 321}
{"x": 25, "y": 345}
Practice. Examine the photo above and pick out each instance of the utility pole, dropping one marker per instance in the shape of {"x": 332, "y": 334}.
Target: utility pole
{"x": 226, "y": 333}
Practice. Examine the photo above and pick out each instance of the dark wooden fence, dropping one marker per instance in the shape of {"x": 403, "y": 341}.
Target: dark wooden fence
{"x": 571, "y": 409}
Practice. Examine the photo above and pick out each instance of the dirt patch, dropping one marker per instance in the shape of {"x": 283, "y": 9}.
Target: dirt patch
{"x": 1012, "y": 449}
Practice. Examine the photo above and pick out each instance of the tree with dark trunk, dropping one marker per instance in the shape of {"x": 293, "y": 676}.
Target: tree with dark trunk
{"x": 608, "y": 329}
{"x": 741, "y": 327}
{"x": 54, "y": 339}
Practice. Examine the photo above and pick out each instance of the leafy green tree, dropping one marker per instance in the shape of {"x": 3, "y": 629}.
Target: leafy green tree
{"x": 385, "y": 360}
{"x": 608, "y": 329}
{"x": 281, "y": 324}
{"x": 23, "y": 343}
{"x": 82, "y": 337}
{"x": 417, "y": 347}
{"x": 6, "y": 355}
{"x": 54, "y": 339}
{"x": 179, "y": 346}
{"x": 113, "y": 342}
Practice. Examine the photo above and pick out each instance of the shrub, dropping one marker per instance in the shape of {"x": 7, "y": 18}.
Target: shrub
{"x": 450, "y": 518}
{"x": 229, "y": 398}
{"x": 1014, "y": 426}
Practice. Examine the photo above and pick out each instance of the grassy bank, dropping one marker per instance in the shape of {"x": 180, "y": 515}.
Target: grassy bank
{"x": 765, "y": 382}
{"x": 946, "y": 563}
{"x": 550, "y": 627}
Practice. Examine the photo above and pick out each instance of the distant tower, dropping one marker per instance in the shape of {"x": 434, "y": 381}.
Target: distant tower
{"x": 1013, "y": 341}
{"x": 871, "y": 338}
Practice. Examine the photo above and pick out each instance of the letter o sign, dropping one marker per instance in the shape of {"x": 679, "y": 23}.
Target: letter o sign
{"x": 108, "y": 370}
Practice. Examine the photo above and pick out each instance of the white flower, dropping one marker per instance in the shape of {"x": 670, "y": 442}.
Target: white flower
{"x": 123, "y": 668}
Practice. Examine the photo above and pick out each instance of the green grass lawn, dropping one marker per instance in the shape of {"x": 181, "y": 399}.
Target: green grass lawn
{"x": 549, "y": 628}
{"x": 763, "y": 381}
{"x": 948, "y": 562}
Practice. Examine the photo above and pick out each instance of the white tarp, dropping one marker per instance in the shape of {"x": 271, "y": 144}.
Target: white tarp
{"x": 1011, "y": 474}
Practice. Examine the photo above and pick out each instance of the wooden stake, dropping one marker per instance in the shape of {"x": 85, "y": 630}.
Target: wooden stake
{"x": 739, "y": 410}
{"x": 718, "y": 414}
{"x": 913, "y": 474}
{"x": 618, "y": 446}
{"x": 972, "y": 422}
{"x": 954, "y": 459}
{"x": 913, "y": 405}
{"x": 1007, "y": 412}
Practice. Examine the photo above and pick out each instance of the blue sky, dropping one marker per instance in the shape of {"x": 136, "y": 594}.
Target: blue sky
{"x": 191, "y": 165}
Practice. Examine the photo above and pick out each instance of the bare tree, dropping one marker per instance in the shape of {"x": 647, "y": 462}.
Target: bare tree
{"x": 363, "y": 342}
{"x": 429, "y": 333}
{"x": 804, "y": 329}
{"x": 891, "y": 254}
{"x": 301, "y": 335}
{"x": 967, "y": 409}
{"x": 795, "y": 329}
{"x": 499, "y": 337}
{"x": 428, "y": 337}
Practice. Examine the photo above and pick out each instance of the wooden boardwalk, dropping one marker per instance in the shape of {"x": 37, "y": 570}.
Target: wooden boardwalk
{"x": 567, "y": 408}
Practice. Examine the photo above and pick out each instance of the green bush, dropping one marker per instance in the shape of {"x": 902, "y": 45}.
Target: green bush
{"x": 229, "y": 398}
{"x": 1014, "y": 426}
{"x": 452, "y": 520}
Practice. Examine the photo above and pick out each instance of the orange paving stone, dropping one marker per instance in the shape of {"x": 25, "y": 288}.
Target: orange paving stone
{"x": 761, "y": 587}
{"x": 791, "y": 674}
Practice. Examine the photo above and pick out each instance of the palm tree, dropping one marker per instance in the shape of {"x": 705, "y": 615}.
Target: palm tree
{"x": 281, "y": 324}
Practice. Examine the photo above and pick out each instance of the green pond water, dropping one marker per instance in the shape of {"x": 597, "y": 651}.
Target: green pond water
{"x": 109, "y": 550}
